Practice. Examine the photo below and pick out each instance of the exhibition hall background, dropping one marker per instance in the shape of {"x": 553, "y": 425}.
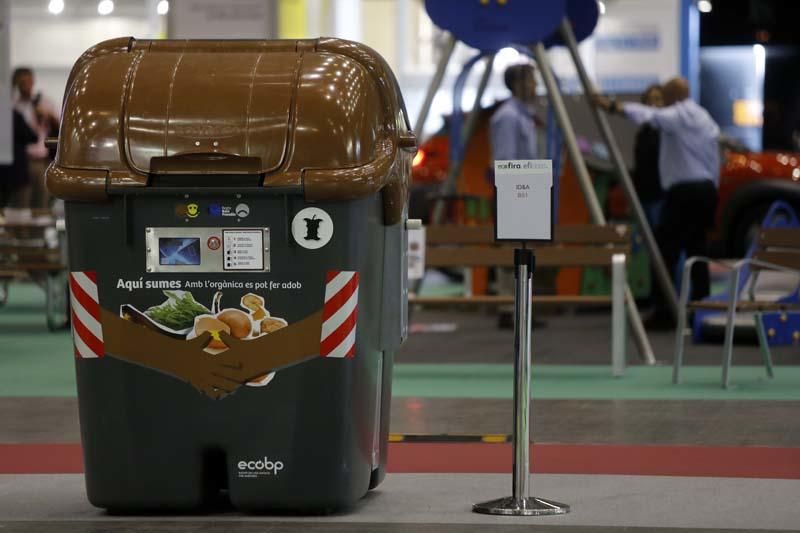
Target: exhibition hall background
{"x": 637, "y": 42}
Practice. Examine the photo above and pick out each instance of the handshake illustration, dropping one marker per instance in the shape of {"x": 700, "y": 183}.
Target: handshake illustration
{"x": 216, "y": 373}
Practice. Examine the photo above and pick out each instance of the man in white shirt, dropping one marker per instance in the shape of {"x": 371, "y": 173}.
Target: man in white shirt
{"x": 689, "y": 163}
{"x": 512, "y": 128}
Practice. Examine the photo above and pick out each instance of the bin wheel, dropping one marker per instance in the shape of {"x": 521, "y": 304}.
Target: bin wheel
{"x": 57, "y": 301}
{"x": 377, "y": 476}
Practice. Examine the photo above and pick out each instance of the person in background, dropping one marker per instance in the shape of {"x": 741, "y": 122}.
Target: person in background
{"x": 646, "y": 176}
{"x": 512, "y": 128}
{"x": 40, "y": 115}
{"x": 15, "y": 186}
{"x": 512, "y": 134}
{"x": 688, "y": 164}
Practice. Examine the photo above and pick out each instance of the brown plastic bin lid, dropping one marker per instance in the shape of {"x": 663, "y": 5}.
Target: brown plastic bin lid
{"x": 325, "y": 115}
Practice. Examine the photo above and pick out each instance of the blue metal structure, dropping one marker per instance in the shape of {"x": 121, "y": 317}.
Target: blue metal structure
{"x": 583, "y": 15}
{"x": 456, "y": 141}
{"x": 490, "y": 25}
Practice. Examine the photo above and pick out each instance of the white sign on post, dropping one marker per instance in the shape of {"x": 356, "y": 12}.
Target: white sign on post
{"x": 416, "y": 254}
{"x": 524, "y": 200}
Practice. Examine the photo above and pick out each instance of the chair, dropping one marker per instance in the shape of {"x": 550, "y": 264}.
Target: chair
{"x": 776, "y": 249}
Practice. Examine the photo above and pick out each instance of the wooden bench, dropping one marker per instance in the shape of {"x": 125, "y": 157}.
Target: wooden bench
{"x": 452, "y": 246}
{"x": 32, "y": 247}
{"x": 776, "y": 250}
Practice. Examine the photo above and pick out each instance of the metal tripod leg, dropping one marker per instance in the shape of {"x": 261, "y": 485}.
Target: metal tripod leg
{"x": 433, "y": 88}
{"x": 662, "y": 274}
{"x": 763, "y": 344}
{"x": 585, "y": 181}
{"x": 457, "y": 164}
{"x": 436, "y": 82}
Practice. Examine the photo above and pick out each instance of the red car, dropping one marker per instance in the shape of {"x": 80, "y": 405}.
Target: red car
{"x": 749, "y": 182}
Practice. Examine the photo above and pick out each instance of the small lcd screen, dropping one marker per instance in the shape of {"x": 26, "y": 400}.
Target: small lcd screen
{"x": 178, "y": 251}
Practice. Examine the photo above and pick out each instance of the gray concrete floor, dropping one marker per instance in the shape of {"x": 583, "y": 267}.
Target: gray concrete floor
{"x": 712, "y": 423}
{"x": 709, "y": 423}
{"x": 267, "y": 527}
{"x": 39, "y": 420}
{"x": 440, "y": 503}
{"x": 412, "y": 501}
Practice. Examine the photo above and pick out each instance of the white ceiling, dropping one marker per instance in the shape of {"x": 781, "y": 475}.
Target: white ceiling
{"x": 80, "y": 8}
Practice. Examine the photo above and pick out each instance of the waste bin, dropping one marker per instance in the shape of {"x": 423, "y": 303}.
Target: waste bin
{"x": 236, "y": 224}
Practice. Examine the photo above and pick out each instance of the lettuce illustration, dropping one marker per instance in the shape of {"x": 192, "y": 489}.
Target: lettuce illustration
{"x": 178, "y": 312}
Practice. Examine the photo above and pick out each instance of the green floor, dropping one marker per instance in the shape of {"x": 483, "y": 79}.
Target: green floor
{"x": 35, "y": 362}
{"x": 595, "y": 382}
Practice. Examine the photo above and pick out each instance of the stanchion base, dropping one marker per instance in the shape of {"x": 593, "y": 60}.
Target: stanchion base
{"x": 521, "y": 507}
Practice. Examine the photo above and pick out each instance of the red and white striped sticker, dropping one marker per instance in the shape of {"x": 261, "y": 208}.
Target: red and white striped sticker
{"x": 339, "y": 314}
{"x": 87, "y": 332}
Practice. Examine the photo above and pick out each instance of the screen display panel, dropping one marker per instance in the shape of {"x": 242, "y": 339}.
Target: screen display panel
{"x": 179, "y": 251}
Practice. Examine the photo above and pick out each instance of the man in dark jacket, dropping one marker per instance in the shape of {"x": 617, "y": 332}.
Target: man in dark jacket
{"x": 15, "y": 180}
{"x": 646, "y": 176}
{"x": 40, "y": 114}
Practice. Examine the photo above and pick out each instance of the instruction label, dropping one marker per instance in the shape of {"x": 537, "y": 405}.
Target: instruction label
{"x": 524, "y": 199}
{"x": 243, "y": 249}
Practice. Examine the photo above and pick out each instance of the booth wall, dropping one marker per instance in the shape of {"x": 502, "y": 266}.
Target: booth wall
{"x": 6, "y": 154}
{"x": 50, "y": 44}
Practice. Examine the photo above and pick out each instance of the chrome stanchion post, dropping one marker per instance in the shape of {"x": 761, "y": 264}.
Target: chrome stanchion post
{"x": 521, "y": 503}
{"x": 523, "y": 262}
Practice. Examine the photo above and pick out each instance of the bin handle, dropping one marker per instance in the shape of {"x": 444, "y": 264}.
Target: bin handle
{"x": 205, "y": 163}
{"x": 407, "y": 141}
{"x": 325, "y": 184}
{"x": 348, "y": 183}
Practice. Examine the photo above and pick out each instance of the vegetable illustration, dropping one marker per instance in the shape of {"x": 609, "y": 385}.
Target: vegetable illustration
{"x": 238, "y": 322}
{"x": 255, "y": 304}
{"x": 272, "y": 324}
{"x": 178, "y": 312}
{"x": 180, "y": 316}
{"x": 213, "y": 326}
{"x": 130, "y": 313}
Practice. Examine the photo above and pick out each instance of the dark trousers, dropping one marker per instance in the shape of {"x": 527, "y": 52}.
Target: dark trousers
{"x": 687, "y": 216}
